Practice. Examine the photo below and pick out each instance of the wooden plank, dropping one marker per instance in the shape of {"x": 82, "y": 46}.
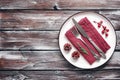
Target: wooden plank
{"x": 118, "y": 41}
{"x": 45, "y": 60}
{"x": 45, "y": 20}
{"x": 35, "y": 40}
{"x": 37, "y": 20}
{"x": 59, "y": 4}
{"x": 29, "y": 40}
{"x": 60, "y": 75}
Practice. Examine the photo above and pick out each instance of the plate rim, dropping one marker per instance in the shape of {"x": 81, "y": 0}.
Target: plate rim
{"x": 87, "y": 12}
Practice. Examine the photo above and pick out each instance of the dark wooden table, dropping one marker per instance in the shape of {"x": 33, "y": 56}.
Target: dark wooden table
{"x": 29, "y": 32}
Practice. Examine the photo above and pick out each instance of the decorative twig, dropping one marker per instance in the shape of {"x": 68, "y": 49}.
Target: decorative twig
{"x": 82, "y": 49}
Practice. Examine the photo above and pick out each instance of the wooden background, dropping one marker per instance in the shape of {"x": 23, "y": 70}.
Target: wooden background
{"x": 29, "y": 39}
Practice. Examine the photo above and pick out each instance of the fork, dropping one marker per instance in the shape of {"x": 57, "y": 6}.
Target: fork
{"x": 76, "y": 33}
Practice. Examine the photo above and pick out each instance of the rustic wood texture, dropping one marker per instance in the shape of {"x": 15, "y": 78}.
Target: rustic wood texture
{"x": 46, "y": 60}
{"x": 38, "y": 40}
{"x": 59, "y": 4}
{"x": 45, "y": 20}
{"x": 60, "y": 75}
{"x": 29, "y": 31}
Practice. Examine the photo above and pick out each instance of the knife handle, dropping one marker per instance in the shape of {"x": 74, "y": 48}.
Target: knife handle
{"x": 97, "y": 48}
{"x": 96, "y": 56}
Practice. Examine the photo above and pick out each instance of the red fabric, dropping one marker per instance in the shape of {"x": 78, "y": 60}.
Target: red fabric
{"x": 93, "y": 34}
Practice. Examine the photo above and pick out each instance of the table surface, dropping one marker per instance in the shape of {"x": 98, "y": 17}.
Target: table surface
{"x": 29, "y": 31}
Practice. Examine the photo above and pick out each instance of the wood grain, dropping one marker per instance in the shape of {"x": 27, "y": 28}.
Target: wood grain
{"x": 45, "y": 60}
{"x": 45, "y": 20}
{"x": 35, "y": 20}
{"x": 59, "y": 4}
{"x": 60, "y": 75}
{"x": 29, "y": 40}
{"x": 35, "y": 40}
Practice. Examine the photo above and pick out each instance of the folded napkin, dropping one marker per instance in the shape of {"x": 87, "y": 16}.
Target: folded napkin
{"x": 93, "y": 34}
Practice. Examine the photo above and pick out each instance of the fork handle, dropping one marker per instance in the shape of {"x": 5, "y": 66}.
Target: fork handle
{"x": 93, "y": 53}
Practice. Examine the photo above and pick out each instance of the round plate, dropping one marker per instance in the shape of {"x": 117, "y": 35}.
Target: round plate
{"x": 81, "y": 62}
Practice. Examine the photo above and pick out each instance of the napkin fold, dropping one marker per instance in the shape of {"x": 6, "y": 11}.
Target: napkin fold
{"x": 93, "y": 34}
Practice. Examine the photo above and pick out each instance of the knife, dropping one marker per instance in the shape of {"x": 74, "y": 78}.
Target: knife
{"x": 81, "y": 30}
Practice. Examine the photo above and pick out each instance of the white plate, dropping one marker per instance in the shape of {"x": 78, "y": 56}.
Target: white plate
{"x": 81, "y": 62}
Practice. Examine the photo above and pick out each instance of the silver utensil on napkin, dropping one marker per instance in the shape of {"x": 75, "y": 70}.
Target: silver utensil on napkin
{"x": 96, "y": 56}
{"x": 81, "y": 30}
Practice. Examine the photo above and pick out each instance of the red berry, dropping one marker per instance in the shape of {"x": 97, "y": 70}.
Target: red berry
{"x": 103, "y": 31}
{"x": 75, "y": 54}
{"x": 106, "y": 35}
{"x": 99, "y": 25}
{"x": 67, "y": 47}
{"x": 107, "y": 30}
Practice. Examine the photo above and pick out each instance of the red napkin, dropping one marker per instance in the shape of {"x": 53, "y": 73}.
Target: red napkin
{"x": 93, "y": 34}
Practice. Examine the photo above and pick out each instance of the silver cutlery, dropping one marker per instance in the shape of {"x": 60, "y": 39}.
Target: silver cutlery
{"x": 81, "y": 30}
{"x": 76, "y": 34}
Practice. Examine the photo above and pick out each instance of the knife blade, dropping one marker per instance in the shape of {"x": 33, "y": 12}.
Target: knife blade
{"x": 81, "y": 30}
